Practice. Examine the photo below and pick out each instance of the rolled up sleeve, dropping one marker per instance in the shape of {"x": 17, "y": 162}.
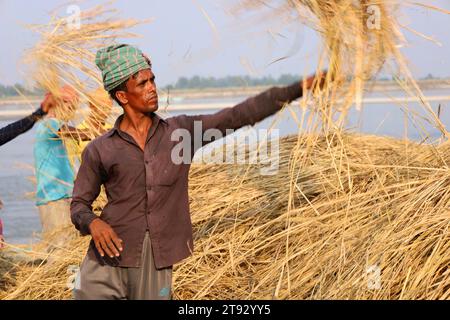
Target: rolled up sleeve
{"x": 86, "y": 189}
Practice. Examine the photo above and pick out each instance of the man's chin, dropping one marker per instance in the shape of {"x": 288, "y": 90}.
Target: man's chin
{"x": 151, "y": 107}
{"x": 154, "y": 108}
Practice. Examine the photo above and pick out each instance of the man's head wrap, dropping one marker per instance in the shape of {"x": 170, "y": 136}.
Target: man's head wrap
{"x": 118, "y": 62}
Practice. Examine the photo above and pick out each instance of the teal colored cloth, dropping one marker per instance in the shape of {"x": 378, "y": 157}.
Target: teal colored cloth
{"x": 54, "y": 172}
{"x": 118, "y": 63}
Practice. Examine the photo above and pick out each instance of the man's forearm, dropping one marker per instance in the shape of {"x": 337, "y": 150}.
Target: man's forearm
{"x": 254, "y": 109}
{"x": 269, "y": 102}
{"x": 11, "y": 131}
{"x": 248, "y": 112}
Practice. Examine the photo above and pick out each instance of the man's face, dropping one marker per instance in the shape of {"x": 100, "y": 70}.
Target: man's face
{"x": 141, "y": 92}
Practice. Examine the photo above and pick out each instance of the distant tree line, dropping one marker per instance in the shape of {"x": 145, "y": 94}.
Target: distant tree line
{"x": 198, "y": 82}
{"x": 16, "y": 90}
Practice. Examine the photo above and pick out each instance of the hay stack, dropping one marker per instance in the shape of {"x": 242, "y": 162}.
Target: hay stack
{"x": 358, "y": 202}
{"x": 291, "y": 241}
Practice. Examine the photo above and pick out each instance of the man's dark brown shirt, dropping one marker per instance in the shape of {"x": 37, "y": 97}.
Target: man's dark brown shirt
{"x": 146, "y": 190}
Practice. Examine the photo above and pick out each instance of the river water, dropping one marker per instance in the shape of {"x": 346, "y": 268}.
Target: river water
{"x": 20, "y": 216}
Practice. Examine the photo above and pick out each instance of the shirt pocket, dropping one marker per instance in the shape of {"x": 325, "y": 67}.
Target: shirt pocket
{"x": 166, "y": 172}
{"x": 167, "y": 175}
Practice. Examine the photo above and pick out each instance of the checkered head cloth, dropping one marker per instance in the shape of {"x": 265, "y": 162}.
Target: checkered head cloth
{"x": 118, "y": 63}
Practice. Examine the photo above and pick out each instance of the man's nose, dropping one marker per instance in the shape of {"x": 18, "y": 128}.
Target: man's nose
{"x": 151, "y": 86}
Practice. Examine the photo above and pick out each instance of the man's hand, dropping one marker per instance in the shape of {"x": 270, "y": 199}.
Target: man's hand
{"x": 105, "y": 239}
{"x": 316, "y": 80}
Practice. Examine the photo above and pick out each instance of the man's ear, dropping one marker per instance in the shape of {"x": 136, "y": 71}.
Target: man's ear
{"x": 122, "y": 97}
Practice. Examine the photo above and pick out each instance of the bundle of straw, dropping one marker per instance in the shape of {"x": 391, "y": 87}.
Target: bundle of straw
{"x": 65, "y": 56}
{"x": 360, "y": 38}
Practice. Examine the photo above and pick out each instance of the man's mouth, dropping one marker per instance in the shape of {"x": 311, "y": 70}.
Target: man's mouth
{"x": 152, "y": 99}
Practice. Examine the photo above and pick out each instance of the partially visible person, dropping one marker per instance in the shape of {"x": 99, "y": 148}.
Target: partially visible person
{"x": 15, "y": 129}
{"x": 54, "y": 172}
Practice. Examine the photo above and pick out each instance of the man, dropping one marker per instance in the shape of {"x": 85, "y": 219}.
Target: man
{"x": 145, "y": 227}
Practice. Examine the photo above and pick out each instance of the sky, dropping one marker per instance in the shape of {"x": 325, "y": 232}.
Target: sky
{"x": 182, "y": 42}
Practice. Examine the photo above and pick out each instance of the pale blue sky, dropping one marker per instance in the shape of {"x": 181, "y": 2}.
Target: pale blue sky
{"x": 181, "y": 42}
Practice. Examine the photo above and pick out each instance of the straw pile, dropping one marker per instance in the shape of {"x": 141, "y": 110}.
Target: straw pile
{"x": 347, "y": 216}
{"x": 358, "y": 202}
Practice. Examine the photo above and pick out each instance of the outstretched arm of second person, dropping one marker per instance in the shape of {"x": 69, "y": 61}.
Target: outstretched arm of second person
{"x": 15, "y": 129}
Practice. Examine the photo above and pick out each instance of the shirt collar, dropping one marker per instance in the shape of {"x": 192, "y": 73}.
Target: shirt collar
{"x": 156, "y": 119}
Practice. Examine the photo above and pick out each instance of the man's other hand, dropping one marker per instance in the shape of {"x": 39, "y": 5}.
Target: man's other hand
{"x": 316, "y": 80}
{"x": 105, "y": 239}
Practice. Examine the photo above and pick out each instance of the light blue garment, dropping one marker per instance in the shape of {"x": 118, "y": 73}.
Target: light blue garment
{"x": 54, "y": 172}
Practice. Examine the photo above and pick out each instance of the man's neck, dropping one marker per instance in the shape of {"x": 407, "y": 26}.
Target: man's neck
{"x": 136, "y": 122}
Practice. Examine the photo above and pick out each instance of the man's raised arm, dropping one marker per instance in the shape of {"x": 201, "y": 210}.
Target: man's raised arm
{"x": 252, "y": 110}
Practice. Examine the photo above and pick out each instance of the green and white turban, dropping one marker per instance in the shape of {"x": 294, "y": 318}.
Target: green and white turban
{"x": 118, "y": 63}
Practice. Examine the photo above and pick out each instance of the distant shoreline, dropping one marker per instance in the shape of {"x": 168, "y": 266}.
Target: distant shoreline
{"x": 191, "y": 94}
{"x": 183, "y": 107}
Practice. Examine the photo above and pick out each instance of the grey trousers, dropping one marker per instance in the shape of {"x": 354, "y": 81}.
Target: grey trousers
{"x": 97, "y": 282}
